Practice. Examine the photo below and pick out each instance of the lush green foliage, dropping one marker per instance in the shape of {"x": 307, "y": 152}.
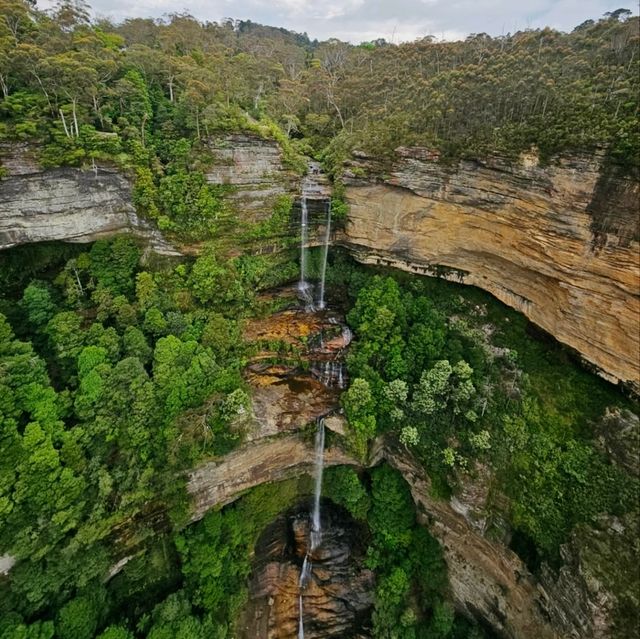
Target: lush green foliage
{"x": 139, "y": 92}
{"x": 422, "y": 369}
{"x": 216, "y": 553}
{"x": 112, "y": 379}
{"x": 412, "y": 582}
{"x": 343, "y": 486}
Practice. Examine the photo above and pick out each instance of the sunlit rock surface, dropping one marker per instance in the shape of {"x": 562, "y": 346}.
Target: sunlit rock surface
{"x": 290, "y": 388}
{"x": 558, "y": 243}
{"x": 276, "y": 458}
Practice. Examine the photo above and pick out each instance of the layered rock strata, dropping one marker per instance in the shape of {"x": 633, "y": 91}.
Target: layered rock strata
{"x": 269, "y": 459}
{"x": 254, "y": 169}
{"x": 67, "y": 204}
{"x": 337, "y": 598}
{"x": 590, "y": 596}
{"x": 488, "y": 581}
{"x": 558, "y": 243}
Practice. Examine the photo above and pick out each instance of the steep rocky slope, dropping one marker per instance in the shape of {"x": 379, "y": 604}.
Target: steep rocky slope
{"x": 67, "y": 204}
{"x": 582, "y": 599}
{"x": 558, "y": 243}
{"x": 338, "y": 596}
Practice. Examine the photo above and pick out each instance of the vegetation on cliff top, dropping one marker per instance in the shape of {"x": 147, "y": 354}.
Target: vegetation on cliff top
{"x": 113, "y": 377}
{"x": 98, "y": 89}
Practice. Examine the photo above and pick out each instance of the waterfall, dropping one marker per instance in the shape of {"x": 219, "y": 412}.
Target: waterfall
{"x": 327, "y": 234}
{"x": 303, "y": 286}
{"x": 315, "y": 533}
{"x": 300, "y": 621}
{"x": 316, "y": 528}
{"x": 305, "y": 573}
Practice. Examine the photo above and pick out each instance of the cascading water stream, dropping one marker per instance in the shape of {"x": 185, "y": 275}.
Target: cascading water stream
{"x": 304, "y": 287}
{"x": 300, "y": 620}
{"x": 315, "y": 533}
{"x": 325, "y": 254}
{"x": 316, "y": 528}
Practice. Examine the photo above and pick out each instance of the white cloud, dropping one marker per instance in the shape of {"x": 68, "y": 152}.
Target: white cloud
{"x": 363, "y": 20}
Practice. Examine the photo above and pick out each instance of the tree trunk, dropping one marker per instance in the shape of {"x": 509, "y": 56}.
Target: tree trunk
{"x": 75, "y": 116}
{"x": 75, "y": 272}
{"x": 46, "y": 95}
{"x": 96, "y": 108}
{"x": 64, "y": 124}
{"x": 144, "y": 122}
{"x": 332, "y": 102}
{"x": 257, "y": 97}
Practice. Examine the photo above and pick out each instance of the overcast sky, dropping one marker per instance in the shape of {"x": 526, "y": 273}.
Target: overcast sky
{"x": 362, "y": 20}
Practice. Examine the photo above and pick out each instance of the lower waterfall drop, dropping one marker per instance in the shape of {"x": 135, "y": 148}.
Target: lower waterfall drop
{"x": 300, "y": 621}
{"x": 315, "y": 532}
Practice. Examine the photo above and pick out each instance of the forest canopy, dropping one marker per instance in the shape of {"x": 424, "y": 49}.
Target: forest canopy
{"x": 119, "y": 371}
{"x": 90, "y": 88}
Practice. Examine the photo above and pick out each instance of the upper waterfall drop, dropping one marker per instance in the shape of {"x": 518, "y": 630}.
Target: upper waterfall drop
{"x": 325, "y": 254}
{"x": 315, "y": 191}
{"x": 304, "y": 287}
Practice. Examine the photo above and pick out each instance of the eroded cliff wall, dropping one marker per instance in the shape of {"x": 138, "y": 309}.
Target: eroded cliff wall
{"x": 488, "y": 581}
{"x": 254, "y": 169}
{"x": 67, "y": 204}
{"x": 558, "y": 243}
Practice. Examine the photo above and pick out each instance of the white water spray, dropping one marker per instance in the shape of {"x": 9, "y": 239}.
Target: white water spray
{"x": 300, "y": 619}
{"x": 304, "y": 287}
{"x": 315, "y": 534}
{"x": 316, "y": 526}
{"x": 327, "y": 235}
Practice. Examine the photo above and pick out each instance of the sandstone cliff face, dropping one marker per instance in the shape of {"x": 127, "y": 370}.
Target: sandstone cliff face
{"x": 67, "y": 204}
{"x": 74, "y": 205}
{"x": 254, "y": 168}
{"x": 269, "y": 459}
{"x": 337, "y": 597}
{"x": 488, "y": 581}
{"x": 593, "y": 594}
{"x": 590, "y": 596}
{"x": 559, "y": 243}
{"x": 595, "y": 591}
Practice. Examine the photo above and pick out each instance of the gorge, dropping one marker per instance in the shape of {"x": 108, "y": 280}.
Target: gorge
{"x": 405, "y": 221}
{"x": 556, "y": 247}
{"x": 312, "y": 339}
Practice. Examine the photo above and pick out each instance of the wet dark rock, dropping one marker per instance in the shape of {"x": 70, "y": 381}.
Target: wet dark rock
{"x": 619, "y": 438}
{"x": 338, "y": 597}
